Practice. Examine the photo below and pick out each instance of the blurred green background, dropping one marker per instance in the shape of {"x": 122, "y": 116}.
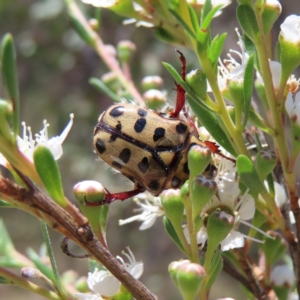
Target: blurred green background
{"x": 54, "y": 67}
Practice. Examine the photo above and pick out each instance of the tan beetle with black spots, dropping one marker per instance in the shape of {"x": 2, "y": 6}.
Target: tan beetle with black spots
{"x": 148, "y": 147}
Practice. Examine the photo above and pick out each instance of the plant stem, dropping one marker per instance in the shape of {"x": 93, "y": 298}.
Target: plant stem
{"x": 26, "y": 284}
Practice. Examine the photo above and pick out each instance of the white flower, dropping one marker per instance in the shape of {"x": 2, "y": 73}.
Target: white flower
{"x": 101, "y": 3}
{"x": 237, "y": 69}
{"x": 151, "y": 209}
{"x": 290, "y": 29}
{"x": 103, "y": 283}
{"x": 282, "y": 275}
{"x": 292, "y": 106}
{"x": 28, "y": 143}
{"x": 275, "y": 68}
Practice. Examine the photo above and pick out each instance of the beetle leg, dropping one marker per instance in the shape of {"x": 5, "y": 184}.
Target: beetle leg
{"x": 109, "y": 197}
{"x": 215, "y": 149}
{"x": 180, "y": 100}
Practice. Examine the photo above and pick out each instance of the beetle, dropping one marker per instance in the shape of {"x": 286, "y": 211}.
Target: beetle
{"x": 148, "y": 147}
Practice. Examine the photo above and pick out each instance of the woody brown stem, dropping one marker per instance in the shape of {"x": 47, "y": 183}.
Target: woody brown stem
{"x": 34, "y": 201}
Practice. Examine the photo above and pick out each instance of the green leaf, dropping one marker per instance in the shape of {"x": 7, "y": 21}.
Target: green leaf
{"x": 164, "y": 35}
{"x": 248, "y": 174}
{"x": 99, "y": 85}
{"x": 5, "y": 204}
{"x": 184, "y": 25}
{"x": 210, "y": 122}
{"x": 194, "y": 18}
{"x": 4, "y": 280}
{"x": 248, "y": 22}
{"x": 215, "y": 268}
{"x": 248, "y": 87}
{"x": 216, "y": 48}
{"x": 204, "y": 36}
{"x": 48, "y": 171}
{"x": 6, "y": 245}
{"x": 9, "y": 70}
{"x": 206, "y": 9}
{"x": 172, "y": 233}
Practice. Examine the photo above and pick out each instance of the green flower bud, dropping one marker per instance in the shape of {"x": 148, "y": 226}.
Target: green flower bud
{"x": 219, "y": 224}
{"x": 81, "y": 285}
{"x": 125, "y": 50}
{"x": 152, "y": 82}
{"x": 6, "y": 112}
{"x": 92, "y": 191}
{"x": 184, "y": 191}
{"x": 202, "y": 189}
{"x": 154, "y": 99}
{"x": 94, "y": 24}
{"x": 266, "y": 161}
{"x": 173, "y": 207}
{"x": 271, "y": 12}
{"x": 289, "y": 39}
{"x": 190, "y": 277}
{"x": 196, "y": 80}
{"x": 173, "y": 267}
{"x": 198, "y": 159}
{"x": 111, "y": 81}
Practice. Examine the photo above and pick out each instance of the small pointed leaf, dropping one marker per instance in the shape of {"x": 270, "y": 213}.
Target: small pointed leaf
{"x": 48, "y": 171}
{"x": 9, "y": 70}
{"x": 248, "y": 87}
{"x": 248, "y": 174}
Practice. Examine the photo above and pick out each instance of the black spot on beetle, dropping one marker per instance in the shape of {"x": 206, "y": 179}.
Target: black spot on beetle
{"x": 112, "y": 138}
{"x": 181, "y": 128}
{"x": 117, "y": 111}
{"x": 143, "y": 165}
{"x": 175, "y": 182}
{"x": 131, "y": 178}
{"x": 140, "y": 125}
{"x": 186, "y": 168}
{"x": 119, "y": 126}
{"x": 125, "y": 155}
{"x": 142, "y": 112}
{"x": 158, "y": 133}
{"x": 116, "y": 165}
{"x": 153, "y": 185}
{"x": 100, "y": 146}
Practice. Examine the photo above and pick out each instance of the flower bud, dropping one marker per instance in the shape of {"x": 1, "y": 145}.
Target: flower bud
{"x": 173, "y": 206}
{"x": 196, "y": 80}
{"x": 152, "y": 82}
{"x": 94, "y": 24}
{"x": 111, "y": 81}
{"x": 202, "y": 189}
{"x": 154, "y": 98}
{"x": 125, "y": 50}
{"x": 198, "y": 160}
{"x": 266, "y": 161}
{"x": 92, "y": 191}
{"x": 190, "y": 277}
{"x": 271, "y": 12}
{"x": 218, "y": 226}
{"x": 289, "y": 39}
{"x": 173, "y": 268}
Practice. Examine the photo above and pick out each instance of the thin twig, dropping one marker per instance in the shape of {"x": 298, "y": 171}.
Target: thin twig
{"x": 34, "y": 201}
